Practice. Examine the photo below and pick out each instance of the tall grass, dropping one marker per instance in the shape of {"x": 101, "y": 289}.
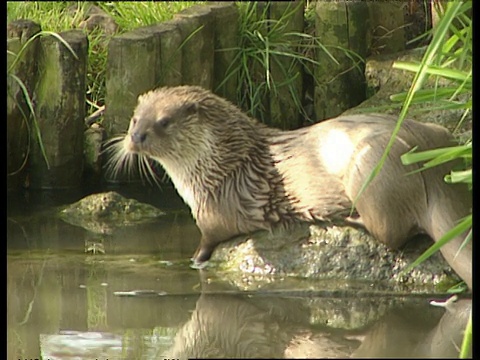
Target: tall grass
{"x": 262, "y": 41}
{"x": 448, "y": 57}
{"x": 266, "y": 44}
{"x": 132, "y": 14}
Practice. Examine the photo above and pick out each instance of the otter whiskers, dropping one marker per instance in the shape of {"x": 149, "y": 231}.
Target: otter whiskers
{"x": 120, "y": 160}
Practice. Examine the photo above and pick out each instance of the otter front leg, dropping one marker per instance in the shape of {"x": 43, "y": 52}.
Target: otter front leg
{"x": 202, "y": 254}
{"x": 215, "y": 229}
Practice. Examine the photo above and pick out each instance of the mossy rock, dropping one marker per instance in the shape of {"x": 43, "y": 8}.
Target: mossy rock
{"x": 103, "y": 212}
{"x": 340, "y": 255}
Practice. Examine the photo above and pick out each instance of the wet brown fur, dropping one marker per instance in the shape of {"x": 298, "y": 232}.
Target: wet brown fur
{"x": 238, "y": 176}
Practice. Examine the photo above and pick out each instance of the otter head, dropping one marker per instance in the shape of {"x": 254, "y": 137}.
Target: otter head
{"x": 166, "y": 126}
{"x": 195, "y": 135}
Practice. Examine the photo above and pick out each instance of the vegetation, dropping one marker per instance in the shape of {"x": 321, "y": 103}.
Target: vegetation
{"x": 448, "y": 56}
{"x": 264, "y": 42}
{"x": 28, "y": 101}
{"x": 267, "y": 43}
{"x": 61, "y": 16}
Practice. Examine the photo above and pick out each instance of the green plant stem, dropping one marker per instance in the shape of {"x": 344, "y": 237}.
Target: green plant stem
{"x": 465, "y": 350}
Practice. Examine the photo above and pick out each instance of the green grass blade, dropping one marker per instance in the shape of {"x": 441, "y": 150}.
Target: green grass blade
{"x": 439, "y": 155}
{"x": 432, "y": 50}
{"x": 464, "y": 176}
{"x": 467, "y": 340}
{"x": 28, "y": 100}
{"x": 429, "y": 95}
{"x": 453, "y": 74}
{"x": 458, "y": 230}
{"x": 30, "y": 40}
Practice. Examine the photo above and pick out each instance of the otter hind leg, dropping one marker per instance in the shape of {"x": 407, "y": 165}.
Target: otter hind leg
{"x": 393, "y": 204}
{"x": 397, "y": 205}
{"x": 450, "y": 204}
{"x": 355, "y": 221}
{"x": 460, "y": 259}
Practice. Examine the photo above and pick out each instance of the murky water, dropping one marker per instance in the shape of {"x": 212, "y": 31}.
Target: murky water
{"x": 134, "y": 296}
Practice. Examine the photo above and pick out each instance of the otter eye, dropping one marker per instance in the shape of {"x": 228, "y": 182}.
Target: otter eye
{"x": 162, "y": 124}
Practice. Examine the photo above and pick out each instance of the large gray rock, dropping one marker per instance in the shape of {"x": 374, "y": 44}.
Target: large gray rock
{"x": 341, "y": 255}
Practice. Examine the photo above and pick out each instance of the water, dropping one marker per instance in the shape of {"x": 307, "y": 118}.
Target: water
{"x": 137, "y": 298}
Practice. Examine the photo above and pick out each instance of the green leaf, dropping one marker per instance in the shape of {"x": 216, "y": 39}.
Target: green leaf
{"x": 28, "y": 100}
{"x": 448, "y": 73}
{"x": 458, "y": 230}
{"x": 437, "y": 156}
{"x": 458, "y": 288}
{"x": 464, "y": 176}
{"x": 426, "y": 95}
{"x": 467, "y": 340}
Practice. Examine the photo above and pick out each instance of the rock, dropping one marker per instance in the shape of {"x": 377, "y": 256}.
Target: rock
{"x": 99, "y": 21}
{"x": 101, "y": 213}
{"x": 339, "y": 254}
{"x": 93, "y": 17}
{"x": 383, "y": 81}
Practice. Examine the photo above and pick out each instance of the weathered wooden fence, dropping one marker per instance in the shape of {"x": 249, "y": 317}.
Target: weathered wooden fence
{"x": 196, "y": 47}
{"x": 185, "y": 50}
{"x": 54, "y": 77}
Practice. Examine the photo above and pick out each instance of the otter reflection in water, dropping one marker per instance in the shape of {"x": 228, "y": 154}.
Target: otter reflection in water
{"x": 256, "y": 326}
{"x": 238, "y": 175}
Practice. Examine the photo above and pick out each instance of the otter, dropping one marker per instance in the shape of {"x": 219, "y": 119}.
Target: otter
{"x": 238, "y": 175}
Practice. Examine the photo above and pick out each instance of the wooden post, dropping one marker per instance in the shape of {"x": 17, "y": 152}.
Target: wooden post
{"x": 18, "y": 113}
{"x": 341, "y": 26}
{"x": 196, "y": 26}
{"x": 132, "y": 63}
{"x": 286, "y": 71}
{"x": 226, "y": 39}
{"x": 60, "y": 110}
{"x": 388, "y": 26}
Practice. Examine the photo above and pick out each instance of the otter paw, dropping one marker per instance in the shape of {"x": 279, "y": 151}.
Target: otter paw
{"x": 198, "y": 265}
{"x": 201, "y": 255}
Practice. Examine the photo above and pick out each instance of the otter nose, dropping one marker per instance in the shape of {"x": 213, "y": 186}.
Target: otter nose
{"x": 138, "y": 137}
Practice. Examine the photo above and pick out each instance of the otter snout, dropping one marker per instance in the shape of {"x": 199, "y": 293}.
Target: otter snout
{"x": 137, "y": 137}
{"x": 133, "y": 142}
